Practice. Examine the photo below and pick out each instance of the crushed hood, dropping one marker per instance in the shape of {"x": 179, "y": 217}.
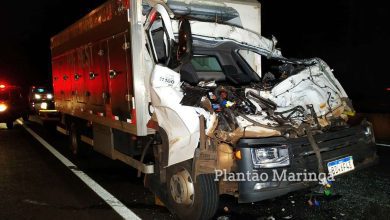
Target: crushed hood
{"x": 314, "y": 93}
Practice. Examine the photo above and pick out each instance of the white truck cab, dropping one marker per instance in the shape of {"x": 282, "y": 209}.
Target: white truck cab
{"x": 195, "y": 85}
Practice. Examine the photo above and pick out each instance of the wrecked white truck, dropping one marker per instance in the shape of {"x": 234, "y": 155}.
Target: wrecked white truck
{"x": 194, "y": 84}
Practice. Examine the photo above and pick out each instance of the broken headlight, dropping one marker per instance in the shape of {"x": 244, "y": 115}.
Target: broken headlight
{"x": 270, "y": 157}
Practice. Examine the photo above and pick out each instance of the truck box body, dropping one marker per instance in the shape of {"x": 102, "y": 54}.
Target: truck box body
{"x": 92, "y": 71}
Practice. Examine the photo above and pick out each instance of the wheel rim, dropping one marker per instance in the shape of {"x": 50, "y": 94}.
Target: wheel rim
{"x": 182, "y": 188}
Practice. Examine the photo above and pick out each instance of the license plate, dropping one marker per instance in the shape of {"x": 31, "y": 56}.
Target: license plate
{"x": 341, "y": 166}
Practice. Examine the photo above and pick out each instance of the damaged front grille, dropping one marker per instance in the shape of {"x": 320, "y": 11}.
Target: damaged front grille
{"x": 332, "y": 145}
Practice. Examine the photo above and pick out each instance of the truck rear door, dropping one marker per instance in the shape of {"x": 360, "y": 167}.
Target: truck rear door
{"x": 57, "y": 79}
{"x": 81, "y": 72}
{"x": 68, "y": 69}
{"x": 97, "y": 77}
{"x": 119, "y": 76}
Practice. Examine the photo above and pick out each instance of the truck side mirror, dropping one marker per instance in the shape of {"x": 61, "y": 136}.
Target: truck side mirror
{"x": 184, "y": 50}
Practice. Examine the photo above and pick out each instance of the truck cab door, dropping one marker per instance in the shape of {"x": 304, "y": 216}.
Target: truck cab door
{"x": 181, "y": 123}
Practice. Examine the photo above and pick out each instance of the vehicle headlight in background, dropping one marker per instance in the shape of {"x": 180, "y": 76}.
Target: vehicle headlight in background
{"x": 43, "y": 105}
{"x": 49, "y": 96}
{"x": 37, "y": 96}
{"x": 3, "y": 107}
{"x": 270, "y": 157}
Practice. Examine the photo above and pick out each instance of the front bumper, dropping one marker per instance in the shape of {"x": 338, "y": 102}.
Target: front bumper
{"x": 49, "y": 115}
{"x": 36, "y": 105}
{"x": 333, "y": 145}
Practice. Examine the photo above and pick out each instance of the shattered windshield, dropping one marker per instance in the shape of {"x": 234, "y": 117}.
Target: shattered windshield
{"x": 206, "y": 64}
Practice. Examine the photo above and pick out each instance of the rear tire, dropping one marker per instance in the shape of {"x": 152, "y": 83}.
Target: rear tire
{"x": 74, "y": 139}
{"x": 189, "y": 199}
{"x": 77, "y": 147}
{"x": 10, "y": 124}
{"x": 26, "y": 116}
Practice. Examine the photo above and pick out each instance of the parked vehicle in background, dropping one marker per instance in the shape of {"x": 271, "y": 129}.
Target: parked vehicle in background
{"x": 13, "y": 104}
{"x": 41, "y": 103}
{"x": 181, "y": 88}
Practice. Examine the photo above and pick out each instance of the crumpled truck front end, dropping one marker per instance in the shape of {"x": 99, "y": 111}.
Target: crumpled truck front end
{"x": 301, "y": 169}
{"x": 281, "y": 139}
{"x": 292, "y": 121}
{"x": 229, "y": 105}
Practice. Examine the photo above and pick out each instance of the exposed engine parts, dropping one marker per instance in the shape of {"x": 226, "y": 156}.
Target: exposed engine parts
{"x": 303, "y": 96}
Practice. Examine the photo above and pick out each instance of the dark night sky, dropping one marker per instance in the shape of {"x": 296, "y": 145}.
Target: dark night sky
{"x": 26, "y": 30}
{"x": 350, "y": 36}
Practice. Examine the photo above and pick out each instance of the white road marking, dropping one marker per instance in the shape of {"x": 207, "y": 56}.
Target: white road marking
{"x": 383, "y": 145}
{"x": 119, "y": 207}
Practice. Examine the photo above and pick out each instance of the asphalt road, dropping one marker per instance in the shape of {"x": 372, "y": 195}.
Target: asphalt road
{"x": 35, "y": 185}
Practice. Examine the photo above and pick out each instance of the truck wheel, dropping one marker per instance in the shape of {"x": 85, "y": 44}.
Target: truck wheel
{"x": 26, "y": 116}
{"x": 74, "y": 140}
{"x": 77, "y": 147}
{"x": 189, "y": 199}
{"x": 10, "y": 124}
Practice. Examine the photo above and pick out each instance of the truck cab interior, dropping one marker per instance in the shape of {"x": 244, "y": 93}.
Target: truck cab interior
{"x": 222, "y": 64}
{"x": 225, "y": 63}
{"x": 230, "y": 64}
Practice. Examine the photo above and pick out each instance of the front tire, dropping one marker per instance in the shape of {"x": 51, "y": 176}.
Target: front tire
{"x": 190, "y": 199}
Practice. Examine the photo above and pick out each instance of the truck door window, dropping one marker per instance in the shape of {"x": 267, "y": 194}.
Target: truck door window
{"x": 159, "y": 41}
{"x": 158, "y": 28}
